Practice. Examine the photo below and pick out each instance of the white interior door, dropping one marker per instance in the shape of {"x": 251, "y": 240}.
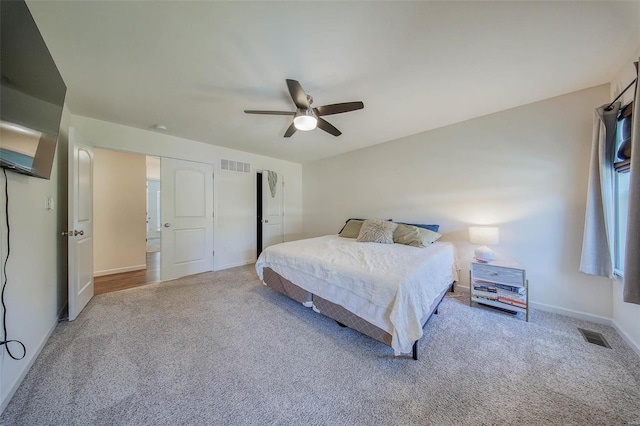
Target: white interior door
{"x": 272, "y": 208}
{"x": 80, "y": 224}
{"x": 186, "y": 199}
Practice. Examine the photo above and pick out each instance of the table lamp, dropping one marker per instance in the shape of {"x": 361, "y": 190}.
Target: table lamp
{"x": 484, "y": 235}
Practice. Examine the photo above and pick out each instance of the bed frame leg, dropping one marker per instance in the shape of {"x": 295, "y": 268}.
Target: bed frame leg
{"x": 453, "y": 286}
{"x": 340, "y": 324}
{"x": 415, "y": 350}
{"x": 436, "y": 311}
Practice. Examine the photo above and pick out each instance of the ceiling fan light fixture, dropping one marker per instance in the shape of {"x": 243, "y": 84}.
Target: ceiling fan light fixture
{"x": 305, "y": 120}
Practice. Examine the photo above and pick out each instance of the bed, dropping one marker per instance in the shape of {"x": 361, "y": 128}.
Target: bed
{"x": 386, "y": 291}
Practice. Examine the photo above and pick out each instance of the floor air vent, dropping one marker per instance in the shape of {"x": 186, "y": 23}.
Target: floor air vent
{"x": 593, "y": 337}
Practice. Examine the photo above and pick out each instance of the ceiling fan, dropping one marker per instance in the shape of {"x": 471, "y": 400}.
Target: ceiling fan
{"x": 307, "y": 117}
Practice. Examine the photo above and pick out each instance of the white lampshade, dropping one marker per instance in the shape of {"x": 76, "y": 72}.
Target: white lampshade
{"x": 305, "y": 120}
{"x": 484, "y": 235}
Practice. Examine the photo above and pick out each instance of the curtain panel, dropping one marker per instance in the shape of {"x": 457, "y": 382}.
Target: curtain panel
{"x": 599, "y": 226}
{"x": 631, "y": 292}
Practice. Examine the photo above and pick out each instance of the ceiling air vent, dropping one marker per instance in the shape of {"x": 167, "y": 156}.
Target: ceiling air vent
{"x": 594, "y": 337}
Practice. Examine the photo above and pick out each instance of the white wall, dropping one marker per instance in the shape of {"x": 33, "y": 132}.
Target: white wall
{"x": 234, "y": 193}
{"x": 524, "y": 169}
{"x": 119, "y": 212}
{"x": 626, "y": 316}
{"x": 36, "y": 288}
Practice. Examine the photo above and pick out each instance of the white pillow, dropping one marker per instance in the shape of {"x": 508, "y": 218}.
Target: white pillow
{"x": 377, "y": 231}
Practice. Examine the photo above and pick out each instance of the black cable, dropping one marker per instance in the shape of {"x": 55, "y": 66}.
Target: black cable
{"x": 4, "y": 271}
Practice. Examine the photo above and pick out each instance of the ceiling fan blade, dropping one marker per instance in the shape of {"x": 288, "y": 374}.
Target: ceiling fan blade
{"x": 338, "y": 108}
{"x": 297, "y": 94}
{"x": 328, "y": 127}
{"x": 290, "y": 131}
{"x": 251, "y": 111}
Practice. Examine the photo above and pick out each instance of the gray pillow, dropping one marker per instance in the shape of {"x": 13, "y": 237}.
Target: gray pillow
{"x": 377, "y": 231}
{"x": 352, "y": 228}
{"x": 414, "y": 236}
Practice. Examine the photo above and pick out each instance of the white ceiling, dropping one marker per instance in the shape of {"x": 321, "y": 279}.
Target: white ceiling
{"x": 195, "y": 66}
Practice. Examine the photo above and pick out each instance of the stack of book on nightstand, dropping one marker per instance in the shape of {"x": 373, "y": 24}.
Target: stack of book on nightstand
{"x": 507, "y": 294}
{"x": 484, "y": 290}
{"x": 512, "y": 295}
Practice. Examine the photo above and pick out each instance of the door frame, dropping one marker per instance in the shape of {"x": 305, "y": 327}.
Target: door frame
{"x": 259, "y": 207}
{"x": 258, "y": 213}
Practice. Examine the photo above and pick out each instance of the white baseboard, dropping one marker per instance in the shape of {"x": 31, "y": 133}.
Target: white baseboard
{"x": 571, "y": 313}
{"x": 234, "y": 265}
{"x": 634, "y": 345}
{"x": 16, "y": 384}
{"x": 119, "y": 270}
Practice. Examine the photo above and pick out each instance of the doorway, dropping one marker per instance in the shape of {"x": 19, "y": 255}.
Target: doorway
{"x": 259, "y": 214}
{"x": 126, "y": 241}
{"x": 269, "y": 209}
{"x": 153, "y": 213}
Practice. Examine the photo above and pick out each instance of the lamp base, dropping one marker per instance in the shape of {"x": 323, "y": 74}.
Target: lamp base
{"x": 484, "y": 254}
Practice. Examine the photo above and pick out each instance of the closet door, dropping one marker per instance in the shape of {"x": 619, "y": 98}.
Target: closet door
{"x": 186, "y": 198}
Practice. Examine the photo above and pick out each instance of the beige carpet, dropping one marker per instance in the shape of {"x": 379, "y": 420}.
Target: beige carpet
{"x": 220, "y": 348}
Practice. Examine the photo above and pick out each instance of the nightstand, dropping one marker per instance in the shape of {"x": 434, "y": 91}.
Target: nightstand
{"x": 500, "y": 284}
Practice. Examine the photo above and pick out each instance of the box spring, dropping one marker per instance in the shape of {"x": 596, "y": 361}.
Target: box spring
{"x": 337, "y": 312}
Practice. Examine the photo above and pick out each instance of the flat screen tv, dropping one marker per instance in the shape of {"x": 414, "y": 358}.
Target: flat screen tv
{"x": 31, "y": 94}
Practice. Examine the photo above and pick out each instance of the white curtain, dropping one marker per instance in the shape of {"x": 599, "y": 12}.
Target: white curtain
{"x": 631, "y": 291}
{"x": 599, "y": 225}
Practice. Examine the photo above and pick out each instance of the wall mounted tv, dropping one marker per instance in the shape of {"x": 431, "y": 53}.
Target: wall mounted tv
{"x": 31, "y": 94}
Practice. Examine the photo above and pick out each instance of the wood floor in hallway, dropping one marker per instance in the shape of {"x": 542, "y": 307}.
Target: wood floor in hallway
{"x": 115, "y": 282}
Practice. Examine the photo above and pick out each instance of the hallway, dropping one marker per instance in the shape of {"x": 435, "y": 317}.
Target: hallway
{"x": 116, "y": 282}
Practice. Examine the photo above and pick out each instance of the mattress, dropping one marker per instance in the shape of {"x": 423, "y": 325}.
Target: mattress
{"x": 392, "y": 286}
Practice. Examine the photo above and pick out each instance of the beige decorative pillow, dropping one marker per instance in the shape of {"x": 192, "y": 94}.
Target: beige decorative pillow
{"x": 414, "y": 236}
{"x": 404, "y": 234}
{"x": 351, "y": 229}
{"x": 377, "y": 231}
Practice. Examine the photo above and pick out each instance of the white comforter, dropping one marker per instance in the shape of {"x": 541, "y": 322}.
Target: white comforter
{"x": 393, "y": 286}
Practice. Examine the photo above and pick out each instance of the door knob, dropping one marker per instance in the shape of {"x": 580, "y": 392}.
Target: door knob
{"x": 75, "y": 233}
{"x": 167, "y": 225}
{"x": 266, "y": 221}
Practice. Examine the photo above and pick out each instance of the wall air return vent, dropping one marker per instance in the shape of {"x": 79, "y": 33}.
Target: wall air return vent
{"x": 235, "y": 166}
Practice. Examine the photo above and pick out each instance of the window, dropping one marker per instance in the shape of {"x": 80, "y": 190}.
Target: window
{"x": 621, "y": 200}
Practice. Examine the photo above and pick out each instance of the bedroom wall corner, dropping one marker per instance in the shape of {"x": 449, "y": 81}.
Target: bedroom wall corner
{"x": 524, "y": 169}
